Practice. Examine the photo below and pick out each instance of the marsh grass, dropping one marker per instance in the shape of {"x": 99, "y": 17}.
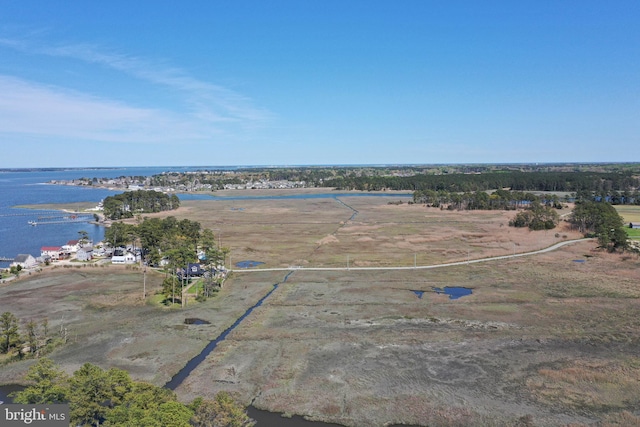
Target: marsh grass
{"x": 320, "y": 233}
{"x": 537, "y": 332}
{"x": 592, "y": 385}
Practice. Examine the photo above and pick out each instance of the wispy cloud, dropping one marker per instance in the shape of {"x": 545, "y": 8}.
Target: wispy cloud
{"x": 206, "y": 109}
{"x": 209, "y": 100}
{"x": 40, "y": 110}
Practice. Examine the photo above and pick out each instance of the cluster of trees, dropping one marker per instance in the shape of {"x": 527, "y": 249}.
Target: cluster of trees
{"x": 601, "y": 220}
{"x": 537, "y": 217}
{"x": 516, "y": 180}
{"x": 15, "y": 269}
{"x": 111, "y": 398}
{"x": 130, "y": 203}
{"x": 34, "y": 339}
{"x": 499, "y": 199}
{"x": 179, "y": 242}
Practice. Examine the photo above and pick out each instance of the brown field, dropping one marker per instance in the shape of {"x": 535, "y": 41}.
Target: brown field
{"x": 321, "y": 233}
{"x": 629, "y": 213}
{"x": 542, "y": 337}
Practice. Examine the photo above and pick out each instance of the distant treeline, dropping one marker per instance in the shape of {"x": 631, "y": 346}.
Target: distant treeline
{"x": 481, "y": 200}
{"x": 597, "y": 182}
{"x": 129, "y": 203}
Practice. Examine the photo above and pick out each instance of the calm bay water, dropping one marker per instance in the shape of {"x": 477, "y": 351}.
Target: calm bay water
{"x": 29, "y": 188}
{"x": 18, "y": 188}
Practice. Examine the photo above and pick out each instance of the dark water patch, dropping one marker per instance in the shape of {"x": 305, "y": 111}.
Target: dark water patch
{"x": 418, "y": 293}
{"x": 193, "y": 363}
{"x": 7, "y": 389}
{"x": 454, "y": 292}
{"x": 248, "y": 264}
{"x": 195, "y": 321}
{"x": 275, "y": 419}
{"x": 578, "y": 260}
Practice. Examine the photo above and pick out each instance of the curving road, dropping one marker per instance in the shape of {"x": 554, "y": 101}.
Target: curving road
{"x": 418, "y": 267}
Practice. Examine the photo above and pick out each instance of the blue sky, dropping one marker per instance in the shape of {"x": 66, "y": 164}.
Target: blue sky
{"x": 318, "y": 82}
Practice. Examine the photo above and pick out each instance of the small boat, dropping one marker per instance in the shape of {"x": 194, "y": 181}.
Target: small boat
{"x": 33, "y": 223}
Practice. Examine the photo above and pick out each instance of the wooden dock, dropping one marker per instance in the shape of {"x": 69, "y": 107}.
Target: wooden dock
{"x": 62, "y": 219}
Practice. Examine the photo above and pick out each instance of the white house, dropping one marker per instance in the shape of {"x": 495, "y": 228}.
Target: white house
{"x": 24, "y": 261}
{"x": 72, "y": 246}
{"x": 51, "y": 252}
{"x": 85, "y": 253}
{"x": 126, "y": 258}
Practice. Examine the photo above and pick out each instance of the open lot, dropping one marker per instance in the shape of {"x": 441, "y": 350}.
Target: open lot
{"x": 361, "y": 231}
{"x": 629, "y": 213}
{"x": 552, "y": 336}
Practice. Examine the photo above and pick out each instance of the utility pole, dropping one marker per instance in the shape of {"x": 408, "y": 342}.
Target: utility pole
{"x": 144, "y": 283}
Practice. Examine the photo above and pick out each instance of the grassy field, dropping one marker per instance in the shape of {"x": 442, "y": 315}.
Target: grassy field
{"x": 629, "y": 213}
{"x": 553, "y": 338}
{"x": 359, "y": 231}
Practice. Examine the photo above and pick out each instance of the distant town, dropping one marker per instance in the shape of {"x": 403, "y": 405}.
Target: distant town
{"x": 367, "y": 178}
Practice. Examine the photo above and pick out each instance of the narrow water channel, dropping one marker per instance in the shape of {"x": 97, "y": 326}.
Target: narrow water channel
{"x": 178, "y": 378}
{"x": 263, "y": 418}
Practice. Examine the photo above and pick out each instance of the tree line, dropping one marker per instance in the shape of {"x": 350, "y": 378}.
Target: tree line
{"x": 470, "y": 182}
{"x": 130, "y": 203}
{"x": 481, "y": 200}
{"x": 111, "y": 398}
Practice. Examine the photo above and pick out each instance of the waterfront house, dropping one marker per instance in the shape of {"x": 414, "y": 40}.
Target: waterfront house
{"x": 85, "y": 253}
{"x": 123, "y": 258}
{"x": 72, "y": 246}
{"x": 24, "y": 261}
{"x": 53, "y": 253}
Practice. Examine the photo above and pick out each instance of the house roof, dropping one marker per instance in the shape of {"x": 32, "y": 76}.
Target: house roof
{"x": 50, "y": 248}
{"x": 126, "y": 254}
{"x": 22, "y": 258}
{"x": 73, "y": 242}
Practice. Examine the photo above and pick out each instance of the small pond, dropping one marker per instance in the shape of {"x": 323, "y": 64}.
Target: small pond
{"x": 454, "y": 292}
{"x": 248, "y": 264}
{"x": 418, "y": 293}
{"x": 195, "y": 321}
